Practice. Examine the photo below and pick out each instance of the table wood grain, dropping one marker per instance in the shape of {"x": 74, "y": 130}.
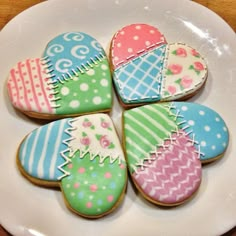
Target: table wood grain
{"x": 224, "y": 8}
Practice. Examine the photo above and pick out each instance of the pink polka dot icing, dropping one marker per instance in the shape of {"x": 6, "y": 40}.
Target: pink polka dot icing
{"x": 134, "y": 40}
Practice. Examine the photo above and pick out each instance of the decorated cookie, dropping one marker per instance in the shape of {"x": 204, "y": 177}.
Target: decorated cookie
{"x": 147, "y": 69}
{"x": 72, "y": 78}
{"x": 82, "y": 156}
{"x": 166, "y": 144}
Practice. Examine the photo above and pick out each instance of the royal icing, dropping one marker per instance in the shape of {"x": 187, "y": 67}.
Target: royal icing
{"x": 28, "y": 89}
{"x": 155, "y": 135}
{"x": 161, "y": 72}
{"x": 134, "y": 40}
{"x": 175, "y": 173}
{"x": 185, "y": 71}
{"x": 84, "y": 155}
{"x": 72, "y": 78}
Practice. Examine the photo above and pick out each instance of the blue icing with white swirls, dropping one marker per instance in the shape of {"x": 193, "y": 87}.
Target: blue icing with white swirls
{"x": 207, "y": 126}
{"x": 71, "y": 52}
{"x": 40, "y": 154}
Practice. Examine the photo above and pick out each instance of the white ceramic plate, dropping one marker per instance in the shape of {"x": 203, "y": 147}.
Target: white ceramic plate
{"x": 26, "y": 209}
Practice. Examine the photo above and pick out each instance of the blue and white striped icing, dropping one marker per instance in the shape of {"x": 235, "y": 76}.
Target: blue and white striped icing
{"x": 70, "y": 53}
{"x": 40, "y": 152}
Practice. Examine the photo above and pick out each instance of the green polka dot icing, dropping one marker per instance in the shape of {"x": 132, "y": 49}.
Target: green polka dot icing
{"x": 86, "y": 92}
{"x": 93, "y": 188}
{"x": 83, "y": 156}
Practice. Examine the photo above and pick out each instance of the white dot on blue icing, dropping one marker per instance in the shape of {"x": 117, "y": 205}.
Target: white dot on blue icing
{"x": 202, "y": 113}
{"x": 184, "y": 108}
{"x": 207, "y": 126}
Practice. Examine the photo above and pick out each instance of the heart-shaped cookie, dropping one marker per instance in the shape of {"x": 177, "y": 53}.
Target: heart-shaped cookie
{"x": 166, "y": 144}
{"x": 72, "y": 78}
{"x": 83, "y": 157}
{"x": 147, "y": 69}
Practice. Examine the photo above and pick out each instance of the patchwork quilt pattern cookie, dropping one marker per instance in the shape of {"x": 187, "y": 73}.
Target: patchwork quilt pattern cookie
{"x": 72, "y": 78}
{"x": 82, "y": 156}
{"x": 148, "y": 69}
{"x": 167, "y": 143}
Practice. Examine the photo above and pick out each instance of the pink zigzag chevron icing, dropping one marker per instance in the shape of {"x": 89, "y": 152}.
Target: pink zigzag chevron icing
{"x": 174, "y": 174}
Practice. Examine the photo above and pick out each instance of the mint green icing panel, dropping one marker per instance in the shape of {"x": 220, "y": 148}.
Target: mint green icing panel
{"x": 89, "y": 91}
{"x": 93, "y": 188}
{"x": 144, "y": 128}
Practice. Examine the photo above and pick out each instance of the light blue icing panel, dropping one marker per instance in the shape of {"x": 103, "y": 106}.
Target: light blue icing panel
{"x": 40, "y": 152}
{"x": 140, "y": 79}
{"x": 70, "y": 51}
{"x": 209, "y": 128}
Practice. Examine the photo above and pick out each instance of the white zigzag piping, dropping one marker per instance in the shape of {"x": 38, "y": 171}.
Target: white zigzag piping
{"x": 143, "y": 163}
{"x": 46, "y": 62}
{"x": 69, "y": 153}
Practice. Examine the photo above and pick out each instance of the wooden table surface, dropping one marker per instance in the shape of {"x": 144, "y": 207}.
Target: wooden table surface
{"x": 224, "y": 8}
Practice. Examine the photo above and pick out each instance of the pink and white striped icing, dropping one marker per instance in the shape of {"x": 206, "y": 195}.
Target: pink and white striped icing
{"x": 28, "y": 88}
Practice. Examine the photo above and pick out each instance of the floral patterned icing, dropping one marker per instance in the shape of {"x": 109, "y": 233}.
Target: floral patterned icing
{"x": 73, "y": 78}
{"x": 158, "y": 72}
{"x": 165, "y": 145}
{"x": 185, "y": 71}
{"x": 84, "y": 156}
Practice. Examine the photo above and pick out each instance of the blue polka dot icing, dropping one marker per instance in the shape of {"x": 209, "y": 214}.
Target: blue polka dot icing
{"x": 72, "y": 52}
{"x": 205, "y": 126}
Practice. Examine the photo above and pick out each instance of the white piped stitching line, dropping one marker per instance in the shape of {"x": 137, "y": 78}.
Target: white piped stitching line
{"x": 181, "y": 93}
{"x": 68, "y": 157}
{"x": 142, "y": 97}
{"x": 51, "y": 80}
{"x": 138, "y": 53}
{"x": 146, "y": 161}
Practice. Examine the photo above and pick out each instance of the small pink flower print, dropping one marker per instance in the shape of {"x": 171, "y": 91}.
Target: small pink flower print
{"x": 85, "y": 141}
{"x": 104, "y": 142}
{"x": 186, "y": 82}
{"x": 171, "y": 89}
{"x": 174, "y": 69}
{"x": 105, "y": 124}
{"x": 181, "y": 52}
{"x": 195, "y": 53}
{"x": 87, "y": 124}
{"x": 198, "y": 66}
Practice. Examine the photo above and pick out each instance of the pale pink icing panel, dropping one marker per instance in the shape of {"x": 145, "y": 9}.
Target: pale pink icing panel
{"x": 134, "y": 40}
{"x": 175, "y": 174}
{"x": 28, "y": 88}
